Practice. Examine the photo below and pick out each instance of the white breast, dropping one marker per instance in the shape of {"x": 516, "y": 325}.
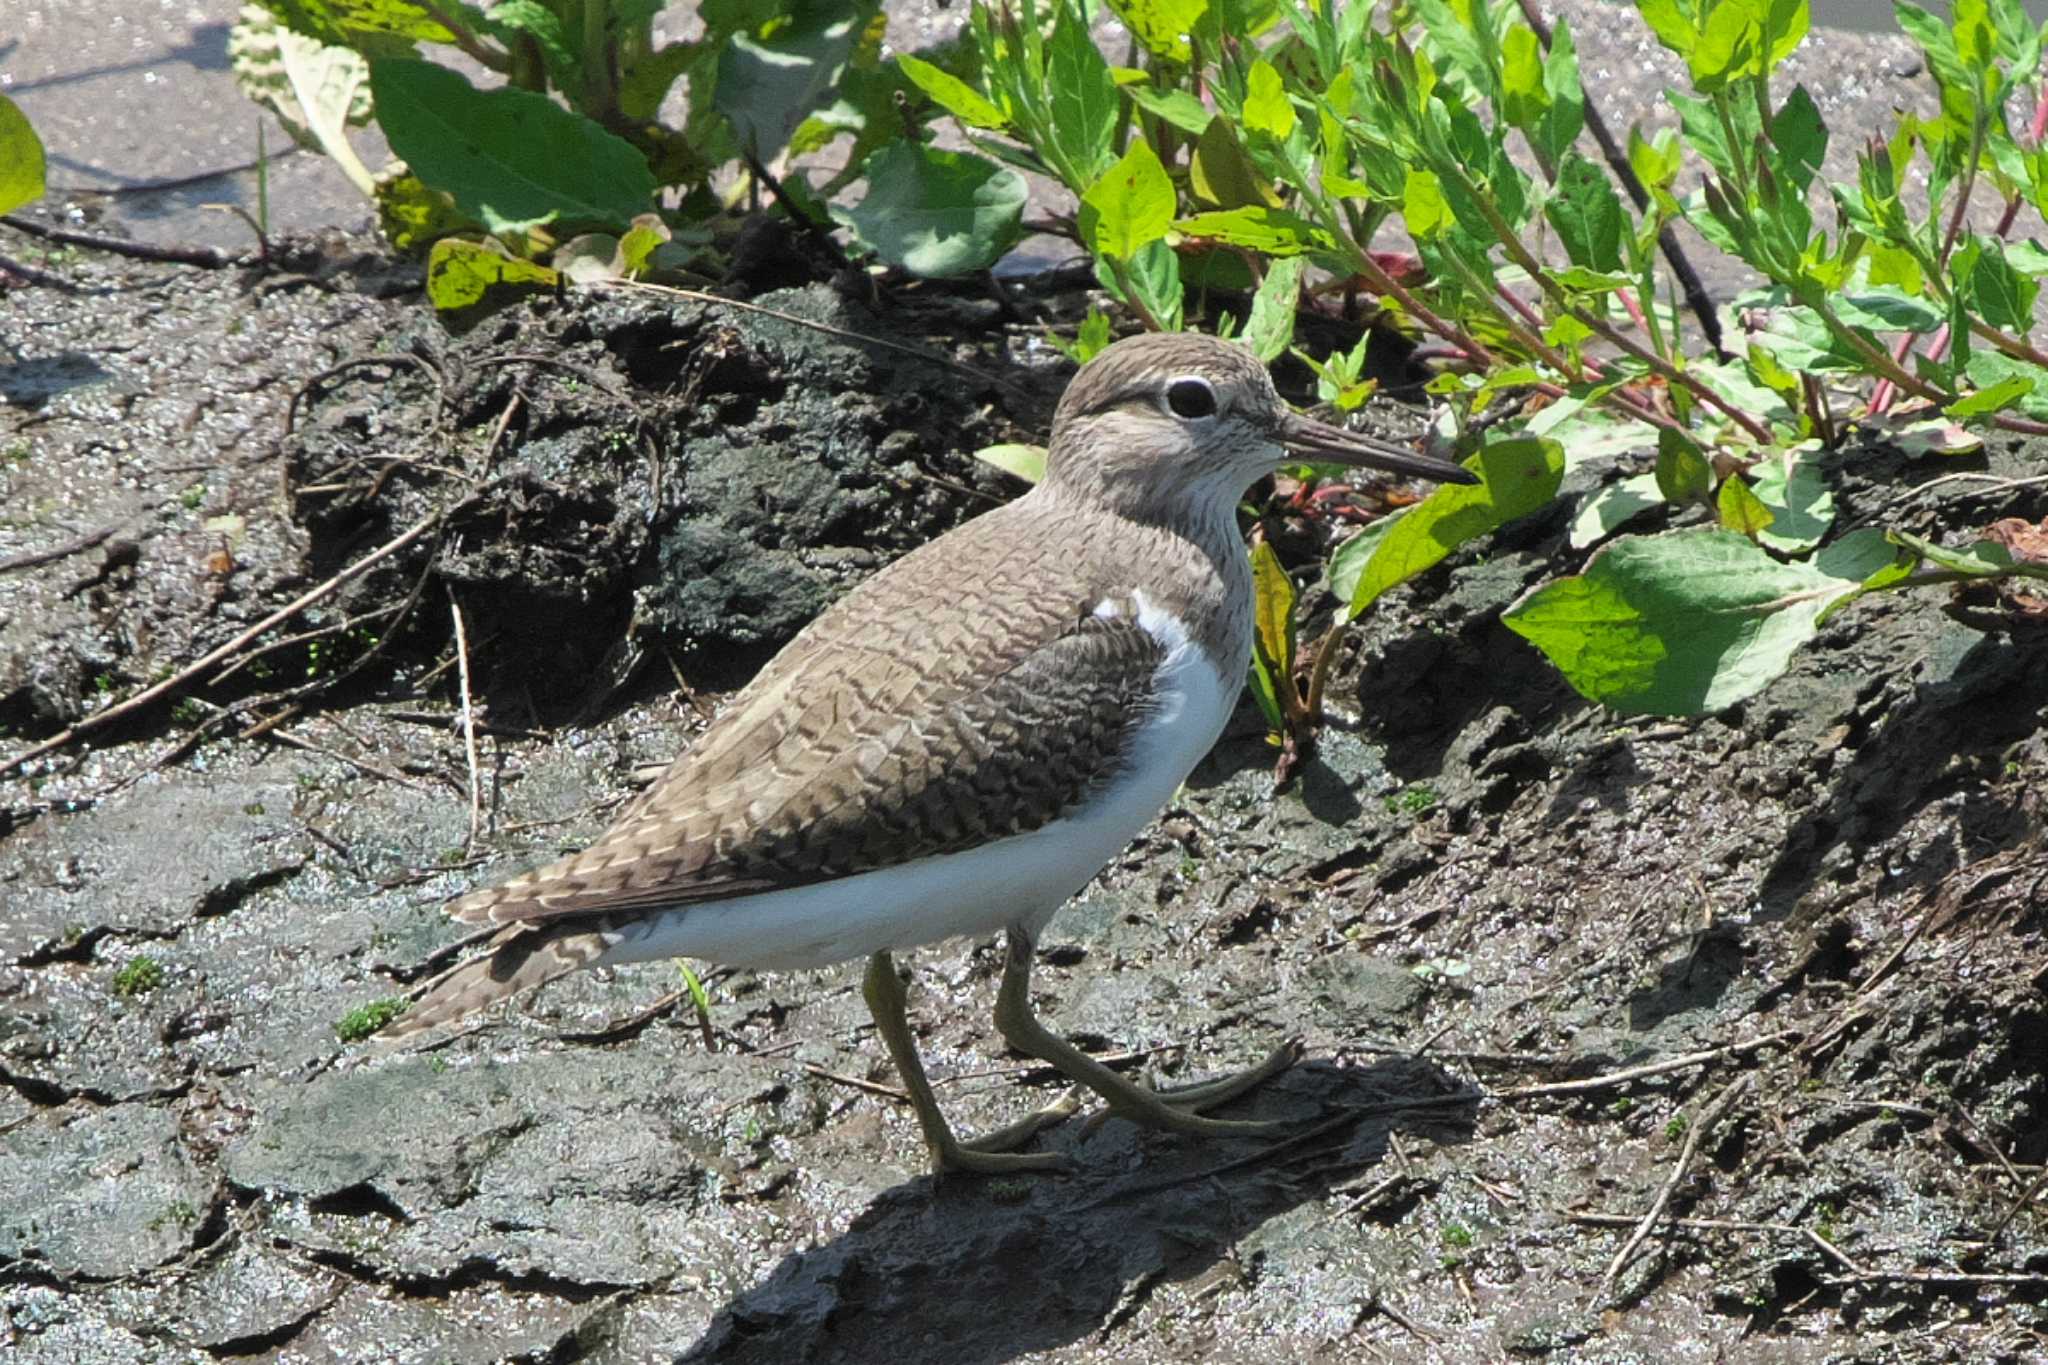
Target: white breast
{"x": 1024, "y": 878}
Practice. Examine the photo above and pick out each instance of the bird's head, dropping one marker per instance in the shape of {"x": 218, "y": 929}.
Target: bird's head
{"x": 1167, "y": 423}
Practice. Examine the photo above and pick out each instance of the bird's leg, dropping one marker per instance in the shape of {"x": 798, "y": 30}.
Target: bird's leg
{"x": 886, "y": 998}
{"x": 1175, "y": 1110}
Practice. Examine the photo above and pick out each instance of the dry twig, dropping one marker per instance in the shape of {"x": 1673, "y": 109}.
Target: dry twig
{"x": 1637, "y": 1073}
{"x": 476, "y": 789}
{"x": 1713, "y": 1115}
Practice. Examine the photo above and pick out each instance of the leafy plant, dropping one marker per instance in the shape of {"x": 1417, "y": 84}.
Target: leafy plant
{"x": 1261, "y": 147}
{"x": 494, "y": 179}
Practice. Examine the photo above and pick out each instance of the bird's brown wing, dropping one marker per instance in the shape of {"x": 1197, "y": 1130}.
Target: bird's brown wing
{"x": 864, "y": 748}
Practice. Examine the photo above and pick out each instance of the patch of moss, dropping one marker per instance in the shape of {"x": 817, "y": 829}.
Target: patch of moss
{"x": 139, "y": 976}
{"x": 364, "y": 1020}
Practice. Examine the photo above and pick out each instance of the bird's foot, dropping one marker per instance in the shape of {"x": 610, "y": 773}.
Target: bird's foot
{"x": 1012, "y": 1136}
{"x": 996, "y": 1153}
{"x": 1179, "y": 1109}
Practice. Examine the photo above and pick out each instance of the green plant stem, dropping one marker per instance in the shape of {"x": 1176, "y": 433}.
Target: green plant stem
{"x": 1520, "y": 254}
{"x": 1131, "y": 300}
{"x": 1380, "y": 282}
{"x": 1955, "y": 220}
{"x": 2008, "y": 343}
{"x": 600, "y": 92}
{"x": 1737, "y": 161}
{"x": 1325, "y": 659}
{"x": 1617, "y": 162}
{"x": 494, "y": 59}
{"x": 1875, "y": 358}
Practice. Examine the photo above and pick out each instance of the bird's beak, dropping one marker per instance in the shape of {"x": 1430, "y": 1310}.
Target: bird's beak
{"x": 1319, "y": 441}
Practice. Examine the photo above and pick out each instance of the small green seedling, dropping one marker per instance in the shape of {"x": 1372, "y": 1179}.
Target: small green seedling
{"x": 139, "y": 976}
{"x": 364, "y": 1020}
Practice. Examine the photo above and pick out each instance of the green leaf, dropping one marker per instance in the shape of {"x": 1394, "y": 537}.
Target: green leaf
{"x": 1423, "y": 207}
{"x": 1587, "y": 214}
{"x": 1348, "y": 561}
{"x": 1566, "y": 116}
{"x": 1996, "y": 398}
{"x": 1260, "y": 683}
{"x": 951, "y": 94}
{"x": 1655, "y": 162}
{"x": 1220, "y": 171}
{"x": 1518, "y": 476}
{"x": 1990, "y": 369}
{"x": 21, "y": 159}
{"x": 1130, "y": 207}
{"x": 1679, "y": 624}
{"x": 1934, "y": 39}
{"x": 1273, "y": 594}
{"x": 1273, "y": 635}
{"x": 1729, "y": 47}
{"x": 1084, "y": 99}
{"x": 1606, "y": 510}
{"x": 1739, "y": 510}
{"x": 1672, "y": 24}
{"x": 1270, "y": 327}
{"x": 937, "y": 213}
{"x": 768, "y": 86}
{"x": 1272, "y": 231}
{"x": 1026, "y": 462}
{"x": 413, "y": 217}
{"x": 510, "y": 21}
{"x": 638, "y": 245}
{"x": 1457, "y": 38}
{"x": 1177, "y": 107}
{"x": 1154, "y": 275}
{"x": 1773, "y": 376}
{"x": 1888, "y": 309}
{"x": 1786, "y": 23}
{"x": 646, "y": 83}
{"x": 1801, "y": 135}
{"x": 1789, "y": 485}
{"x": 460, "y": 274}
{"x": 1524, "y": 101}
{"x": 1266, "y": 106}
{"x": 1985, "y": 558}
{"x": 2001, "y": 294}
{"x": 1683, "y": 474}
{"x": 1162, "y": 26}
{"x": 511, "y": 159}
{"x": 375, "y": 28}
{"x": 699, "y": 997}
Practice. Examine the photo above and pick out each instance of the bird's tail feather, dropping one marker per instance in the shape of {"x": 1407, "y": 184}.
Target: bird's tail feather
{"x": 517, "y": 959}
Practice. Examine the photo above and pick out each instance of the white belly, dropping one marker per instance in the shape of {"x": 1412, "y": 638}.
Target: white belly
{"x": 1021, "y": 879}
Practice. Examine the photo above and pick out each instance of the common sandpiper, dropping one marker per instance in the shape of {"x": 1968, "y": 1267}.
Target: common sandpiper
{"x": 961, "y": 743}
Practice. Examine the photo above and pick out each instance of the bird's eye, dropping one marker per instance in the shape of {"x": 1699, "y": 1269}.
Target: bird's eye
{"x": 1190, "y": 397}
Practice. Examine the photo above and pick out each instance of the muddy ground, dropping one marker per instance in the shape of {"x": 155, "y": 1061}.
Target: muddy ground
{"x": 1784, "y": 969}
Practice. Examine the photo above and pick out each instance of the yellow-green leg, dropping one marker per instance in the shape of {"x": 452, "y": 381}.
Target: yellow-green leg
{"x": 987, "y": 1155}
{"x": 1176, "y": 1110}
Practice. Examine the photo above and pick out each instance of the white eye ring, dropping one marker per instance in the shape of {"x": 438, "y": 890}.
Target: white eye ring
{"x": 1188, "y": 398}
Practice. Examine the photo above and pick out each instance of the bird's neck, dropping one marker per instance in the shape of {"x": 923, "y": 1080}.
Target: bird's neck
{"x": 1182, "y": 549}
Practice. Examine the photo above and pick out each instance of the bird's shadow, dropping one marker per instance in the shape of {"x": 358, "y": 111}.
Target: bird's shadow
{"x": 978, "y": 1271}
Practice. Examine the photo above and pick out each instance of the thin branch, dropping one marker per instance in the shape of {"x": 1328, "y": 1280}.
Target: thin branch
{"x": 29, "y": 559}
{"x": 1715, "y": 1112}
{"x": 1637, "y": 1073}
{"x": 476, "y": 798}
